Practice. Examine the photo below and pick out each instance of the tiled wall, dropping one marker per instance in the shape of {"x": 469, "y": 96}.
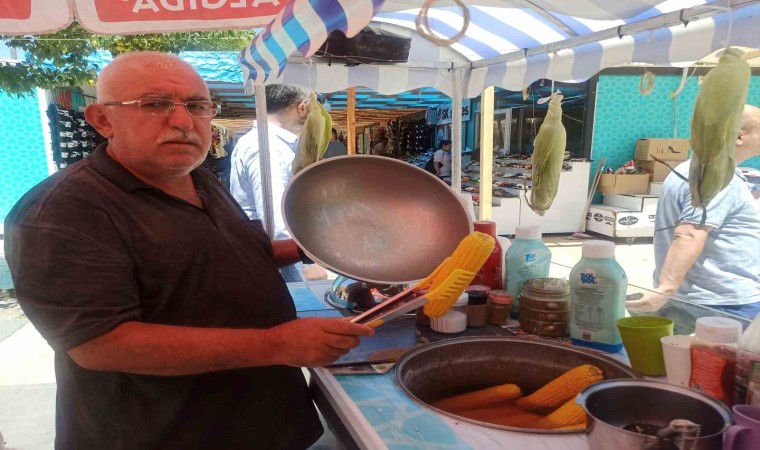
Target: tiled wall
{"x": 623, "y": 115}
{"x": 23, "y": 162}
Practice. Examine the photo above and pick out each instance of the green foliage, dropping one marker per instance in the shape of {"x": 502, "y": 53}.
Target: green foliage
{"x": 60, "y": 59}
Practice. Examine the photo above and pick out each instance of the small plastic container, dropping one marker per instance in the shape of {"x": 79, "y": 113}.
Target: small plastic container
{"x": 477, "y": 308}
{"x": 499, "y": 307}
{"x": 713, "y": 357}
{"x": 454, "y": 321}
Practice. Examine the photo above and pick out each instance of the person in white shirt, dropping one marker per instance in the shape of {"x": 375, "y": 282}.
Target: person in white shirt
{"x": 442, "y": 159}
{"x": 286, "y": 114}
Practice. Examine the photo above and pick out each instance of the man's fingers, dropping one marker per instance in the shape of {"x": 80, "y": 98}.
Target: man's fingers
{"x": 641, "y": 305}
{"x": 346, "y": 327}
{"x": 342, "y": 342}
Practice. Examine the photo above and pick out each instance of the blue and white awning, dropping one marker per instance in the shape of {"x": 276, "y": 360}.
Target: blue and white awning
{"x": 506, "y": 44}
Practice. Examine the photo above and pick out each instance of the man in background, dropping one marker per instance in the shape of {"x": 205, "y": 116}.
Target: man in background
{"x": 716, "y": 265}
{"x": 286, "y": 114}
{"x": 335, "y": 147}
{"x": 442, "y": 159}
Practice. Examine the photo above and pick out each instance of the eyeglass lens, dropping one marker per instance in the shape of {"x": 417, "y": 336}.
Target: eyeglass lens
{"x": 164, "y": 107}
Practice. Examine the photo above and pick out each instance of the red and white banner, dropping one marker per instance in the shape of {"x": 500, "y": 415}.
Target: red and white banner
{"x": 135, "y": 16}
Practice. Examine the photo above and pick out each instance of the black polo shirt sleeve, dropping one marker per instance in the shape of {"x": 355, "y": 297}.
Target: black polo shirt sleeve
{"x": 74, "y": 288}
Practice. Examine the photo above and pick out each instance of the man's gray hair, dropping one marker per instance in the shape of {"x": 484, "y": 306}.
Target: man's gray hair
{"x": 283, "y": 96}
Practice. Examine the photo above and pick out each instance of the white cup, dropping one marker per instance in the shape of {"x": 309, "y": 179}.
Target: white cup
{"x": 675, "y": 350}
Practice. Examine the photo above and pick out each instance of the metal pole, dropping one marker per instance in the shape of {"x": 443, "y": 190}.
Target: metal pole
{"x": 486, "y": 153}
{"x": 456, "y": 131}
{"x": 262, "y": 129}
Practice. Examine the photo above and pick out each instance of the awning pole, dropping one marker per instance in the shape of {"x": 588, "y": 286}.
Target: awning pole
{"x": 351, "y": 121}
{"x": 486, "y": 153}
{"x": 262, "y": 129}
{"x": 456, "y": 131}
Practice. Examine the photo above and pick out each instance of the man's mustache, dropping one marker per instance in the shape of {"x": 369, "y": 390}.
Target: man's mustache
{"x": 185, "y": 138}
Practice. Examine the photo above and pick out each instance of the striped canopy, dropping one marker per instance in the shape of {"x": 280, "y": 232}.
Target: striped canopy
{"x": 508, "y": 43}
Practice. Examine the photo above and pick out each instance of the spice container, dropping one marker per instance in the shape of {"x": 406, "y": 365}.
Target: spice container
{"x": 713, "y": 357}
{"x": 454, "y": 321}
{"x": 499, "y": 307}
{"x": 477, "y": 308}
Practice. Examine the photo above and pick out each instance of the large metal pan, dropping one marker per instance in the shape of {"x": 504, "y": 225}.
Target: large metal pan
{"x": 373, "y": 218}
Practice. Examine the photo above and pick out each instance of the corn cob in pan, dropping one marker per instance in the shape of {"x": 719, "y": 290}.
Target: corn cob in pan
{"x": 715, "y": 126}
{"x": 548, "y": 154}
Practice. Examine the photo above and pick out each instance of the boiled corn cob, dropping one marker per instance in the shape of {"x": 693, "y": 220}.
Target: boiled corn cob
{"x": 489, "y": 412}
{"x": 715, "y": 125}
{"x": 570, "y": 413}
{"x": 479, "y": 398}
{"x": 548, "y": 154}
{"x": 577, "y": 426}
{"x": 520, "y": 420}
{"x": 562, "y": 388}
{"x": 315, "y": 135}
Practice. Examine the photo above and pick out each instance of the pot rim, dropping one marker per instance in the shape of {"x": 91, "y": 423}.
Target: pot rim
{"x": 463, "y": 340}
{"x": 722, "y": 409}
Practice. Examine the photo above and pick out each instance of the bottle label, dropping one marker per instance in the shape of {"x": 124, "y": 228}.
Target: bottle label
{"x": 710, "y": 373}
{"x": 589, "y": 305}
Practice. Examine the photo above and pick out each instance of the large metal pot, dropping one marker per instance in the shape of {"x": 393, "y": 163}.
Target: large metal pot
{"x": 454, "y": 366}
{"x": 650, "y": 405}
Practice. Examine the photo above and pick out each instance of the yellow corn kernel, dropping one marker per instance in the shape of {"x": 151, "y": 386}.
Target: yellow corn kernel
{"x": 577, "y": 426}
{"x": 568, "y": 414}
{"x": 479, "y": 398}
{"x": 562, "y": 388}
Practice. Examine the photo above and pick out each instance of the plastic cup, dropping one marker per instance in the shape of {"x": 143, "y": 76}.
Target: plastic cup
{"x": 676, "y": 352}
{"x": 641, "y": 337}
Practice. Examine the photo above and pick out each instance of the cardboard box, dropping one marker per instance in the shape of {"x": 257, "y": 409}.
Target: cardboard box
{"x": 667, "y": 149}
{"x": 624, "y": 184}
{"x": 619, "y": 222}
{"x": 636, "y": 202}
{"x": 655, "y": 189}
{"x": 657, "y": 171}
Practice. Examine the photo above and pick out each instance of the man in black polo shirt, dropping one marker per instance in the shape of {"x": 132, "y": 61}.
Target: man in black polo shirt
{"x": 171, "y": 325}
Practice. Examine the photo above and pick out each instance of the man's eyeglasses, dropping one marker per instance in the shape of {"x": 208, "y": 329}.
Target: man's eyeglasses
{"x": 164, "y": 107}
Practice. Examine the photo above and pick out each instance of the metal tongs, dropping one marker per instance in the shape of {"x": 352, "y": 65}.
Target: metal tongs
{"x": 440, "y": 290}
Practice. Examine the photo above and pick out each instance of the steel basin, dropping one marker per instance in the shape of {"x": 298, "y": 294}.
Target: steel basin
{"x": 373, "y": 218}
{"x": 613, "y": 404}
{"x": 454, "y": 366}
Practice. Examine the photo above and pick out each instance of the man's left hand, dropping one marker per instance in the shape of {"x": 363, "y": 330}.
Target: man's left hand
{"x": 650, "y": 302}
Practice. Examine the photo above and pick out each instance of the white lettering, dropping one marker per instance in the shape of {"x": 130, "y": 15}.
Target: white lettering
{"x": 178, "y": 6}
{"x": 256, "y": 3}
{"x": 144, "y": 4}
{"x": 193, "y": 4}
{"x": 212, "y": 4}
{"x": 238, "y": 4}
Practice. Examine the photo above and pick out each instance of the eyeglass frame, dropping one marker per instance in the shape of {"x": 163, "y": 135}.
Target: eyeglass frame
{"x": 217, "y": 109}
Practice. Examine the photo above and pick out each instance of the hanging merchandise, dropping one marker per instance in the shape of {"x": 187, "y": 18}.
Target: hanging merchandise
{"x": 218, "y": 160}
{"x": 527, "y": 258}
{"x": 597, "y": 298}
{"x": 72, "y": 137}
{"x": 409, "y": 136}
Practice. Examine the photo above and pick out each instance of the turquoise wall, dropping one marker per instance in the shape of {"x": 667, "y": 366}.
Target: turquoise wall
{"x": 23, "y": 162}
{"x": 623, "y": 115}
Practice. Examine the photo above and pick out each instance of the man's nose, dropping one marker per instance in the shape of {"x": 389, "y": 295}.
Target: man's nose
{"x": 180, "y": 118}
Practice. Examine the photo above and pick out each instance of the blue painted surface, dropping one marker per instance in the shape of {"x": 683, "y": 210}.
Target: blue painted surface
{"x": 400, "y": 422}
{"x": 23, "y": 162}
{"x": 623, "y": 115}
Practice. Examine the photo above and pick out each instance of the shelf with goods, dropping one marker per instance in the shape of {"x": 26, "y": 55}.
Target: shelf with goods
{"x": 511, "y": 192}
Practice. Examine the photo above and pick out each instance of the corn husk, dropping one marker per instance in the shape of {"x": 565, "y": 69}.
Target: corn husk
{"x": 314, "y": 137}
{"x": 715, "y": 126}
{"x": 548, "y": 154}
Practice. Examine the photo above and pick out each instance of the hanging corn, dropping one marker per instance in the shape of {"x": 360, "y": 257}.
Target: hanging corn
{"x": 715, "y": 126}
{"x": 314, "y": 137}
{"x": 548, "y": 154}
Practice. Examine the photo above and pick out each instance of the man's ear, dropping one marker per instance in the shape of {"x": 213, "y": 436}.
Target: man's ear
{"x": 96, "y": 115}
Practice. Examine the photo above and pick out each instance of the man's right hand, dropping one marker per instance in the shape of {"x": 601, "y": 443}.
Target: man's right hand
{"x": 314, "y": 342}
{"x": 650, "y": 302}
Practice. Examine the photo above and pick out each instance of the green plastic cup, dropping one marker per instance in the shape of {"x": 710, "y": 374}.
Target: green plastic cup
{"x": 641, "y": 337}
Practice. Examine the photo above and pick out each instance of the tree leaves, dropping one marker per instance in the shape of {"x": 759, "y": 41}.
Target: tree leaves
{"x": 60, "y": 59}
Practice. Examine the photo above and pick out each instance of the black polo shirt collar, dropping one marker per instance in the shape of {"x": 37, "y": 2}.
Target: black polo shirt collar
{"x": 102, "y": 163}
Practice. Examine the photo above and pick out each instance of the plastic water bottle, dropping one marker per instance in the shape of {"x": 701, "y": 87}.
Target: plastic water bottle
{"x": 597, "y": 298}
{"x": 526, "y": 258}
{"x": 747, "y": 375}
